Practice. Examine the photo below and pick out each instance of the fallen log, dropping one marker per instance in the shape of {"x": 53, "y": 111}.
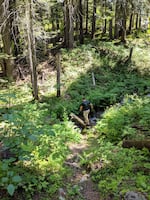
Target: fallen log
{"x": 138, "y": 144}
{"x": 77, "y": 119}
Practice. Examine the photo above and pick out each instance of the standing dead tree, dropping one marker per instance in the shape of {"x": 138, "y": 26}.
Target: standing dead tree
{"x": 31, "y": 48}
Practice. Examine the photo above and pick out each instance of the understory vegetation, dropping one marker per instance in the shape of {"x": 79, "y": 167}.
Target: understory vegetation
{"x": 36, "y": 134}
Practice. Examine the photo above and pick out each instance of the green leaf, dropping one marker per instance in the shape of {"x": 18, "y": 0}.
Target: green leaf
{"x": 33, "y": 138}
{"x": 17, "y": 179}
{"x": 11, "y": 189}
{"x": 4, "y": 166}
{"x": 4, "y": 179}
{"x": 10, "y": 173}
{"x": 147, "y": 165}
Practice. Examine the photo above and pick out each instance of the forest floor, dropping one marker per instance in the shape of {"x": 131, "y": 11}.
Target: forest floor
{"x": 83, "y": 188}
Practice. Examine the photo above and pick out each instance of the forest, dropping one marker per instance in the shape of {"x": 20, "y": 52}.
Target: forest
{"x": 53, "y": 53}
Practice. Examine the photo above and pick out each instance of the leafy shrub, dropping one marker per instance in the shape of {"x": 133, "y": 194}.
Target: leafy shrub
{"x": 40, "y": 147}
{"x": 118, "y": 120}
{"x": 118, "y": 170}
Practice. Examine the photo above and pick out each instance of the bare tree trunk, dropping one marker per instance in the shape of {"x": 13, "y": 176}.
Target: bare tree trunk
{"x": 81, "y": 22}
{"x": 68, "y": 26}
{"x": 140, "y": 20}
{"x": 93, "y": 19}
{"x": 123, "y": 34}
{"x": 110, "y": 29}
{"x": 5, "y": 30}
{"x": 104, "y": 27}
{"x": 57, "y": 20}
{"x": 76, "y": 28}
{"x": 130, "y": 23}
{"x": 105, "y": 20}
{"x": 31, "y": 48}
{"x": 116, "y": 30}
{"x": 15, "y": 32}
{"x": 111, "y": 26}
{"x": 137, "y": 19}
{"x": 133, "y": 21}
{"x": 71, "y": 26}
{"x": 130, "y": 54}
{"x": 58, "y": 65}
{"x": 87, "y": 16}
{"x": 53, "y": 23}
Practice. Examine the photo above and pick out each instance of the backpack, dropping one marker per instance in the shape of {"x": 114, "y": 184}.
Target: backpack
{"x": 86, "y": 105}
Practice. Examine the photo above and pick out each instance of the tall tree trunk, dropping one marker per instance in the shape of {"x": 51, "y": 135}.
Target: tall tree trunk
{"x": 15, "y": 31}
{"x": 105, "y": 20}
{"x": 57, "y": 20}
{"x": 31, "y": 48}
{"x": 133, "y": 19}
{"x": 117, "y": 27}
{"x": 110, "y": 25}
{"x": 93, "y": 19}
{"x": 110, "y": 29}
{"x": 140, "y": 20}
{"x": 87, "y": 16}
{"x": 76, "y": 28}
{"x": 6, "y": 24}
{"x": 104, "y": 27}
{"x": 53, "y": 22}
{"x": 137, "y": 19}
{"x": 123, "y": 28}
{"x": 68, "y": 26}
{"x": 130, "y": 23}
{"x": 81, "y": 22}
{"x": 71, "y": 26}
{"x": 123, "y": 32}
{"x": 58, "y": 65}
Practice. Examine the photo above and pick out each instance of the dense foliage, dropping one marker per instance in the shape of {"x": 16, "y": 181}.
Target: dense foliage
{"x": 38, "y": 132}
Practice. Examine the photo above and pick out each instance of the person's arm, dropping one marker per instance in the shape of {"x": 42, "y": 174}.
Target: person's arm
{"x": 91, "y": 105}
{"x": 81, "y": 108}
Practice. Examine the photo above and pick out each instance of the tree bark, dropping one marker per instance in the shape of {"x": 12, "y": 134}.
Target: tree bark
{"x": 140, "y": 20}
{"x": 5, "y": 30}
{"x": 130, "y": 54}
{"x": 105, "y": 20}
{"x": 31, "y": 48}
{"x": 110, "y": 25}
{"x": 137, "y": 19}
{"x": 68, "y": 26}
{"x": 110, "y": 29}
{"x": 57, "y": 20}
{"x": 58, "y": 67}
{"x": 116, "y": 29}
{"x": 104, "y": 27}
{"x": 71, "y": 27}
{"x": 123, "y": 28}
{"x": 87, "y": 16}
{"x": 81, "y": 38}
{"x": 77, "y": 119}
{"x": 93, "y": 19}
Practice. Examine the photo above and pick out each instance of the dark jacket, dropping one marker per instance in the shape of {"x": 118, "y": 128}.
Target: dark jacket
{"x": 86, "y": 105}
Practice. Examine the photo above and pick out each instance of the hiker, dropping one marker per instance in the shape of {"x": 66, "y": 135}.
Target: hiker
{"x": 85, "y": 107}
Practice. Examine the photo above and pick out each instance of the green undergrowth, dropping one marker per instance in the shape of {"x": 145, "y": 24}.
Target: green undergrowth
{"x": 128, "y": 120}
{"x": 38, "y": 149}
{"x": 115, "y": 169}
{"x": 37, "y": 132}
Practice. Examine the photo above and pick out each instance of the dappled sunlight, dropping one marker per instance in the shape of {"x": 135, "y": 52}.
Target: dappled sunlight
{"x": 15, "y": 95}
{"x": 48, "y": 142}
{"x": 77, "y": 64}
{"x": 141, "y": 60}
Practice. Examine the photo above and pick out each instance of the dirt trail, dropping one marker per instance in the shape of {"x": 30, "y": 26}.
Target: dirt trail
{"x": 80, "y": 178}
